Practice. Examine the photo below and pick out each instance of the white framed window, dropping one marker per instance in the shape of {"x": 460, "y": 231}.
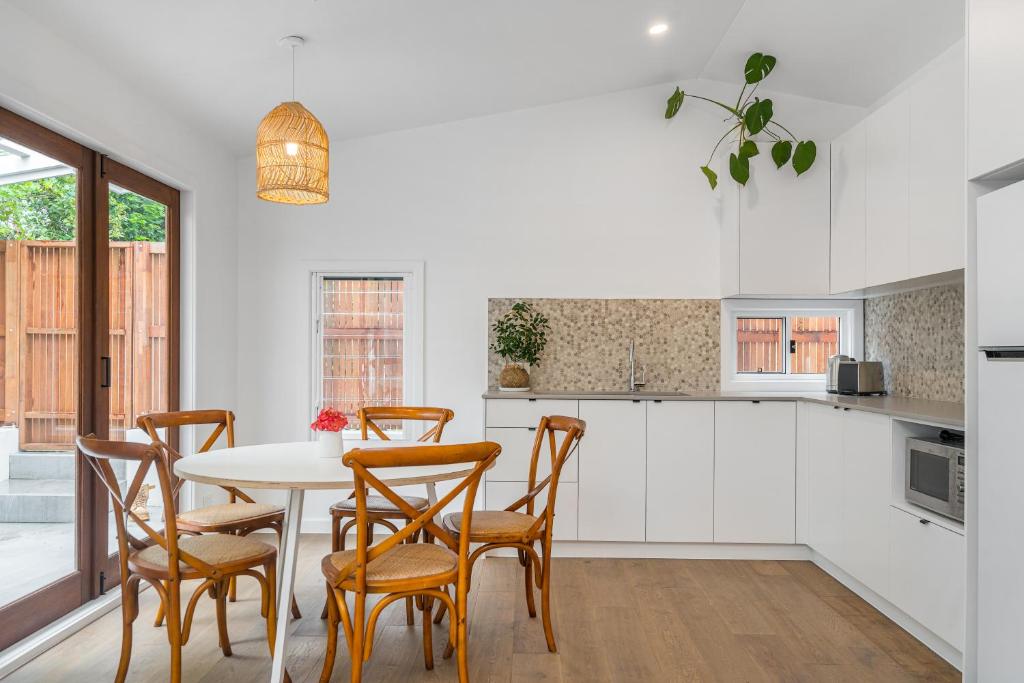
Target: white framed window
{"x": 368, "y": 339}
{"x": 785, "y": 345}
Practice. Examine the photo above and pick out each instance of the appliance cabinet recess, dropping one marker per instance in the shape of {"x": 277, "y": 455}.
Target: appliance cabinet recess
{"x": 755, "y": 472}
{"x": 680, "y": 471}
{"x": 612, "y": 488}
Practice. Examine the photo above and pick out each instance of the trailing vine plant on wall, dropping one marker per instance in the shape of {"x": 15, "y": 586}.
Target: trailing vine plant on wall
{"x": 751, "y": 116}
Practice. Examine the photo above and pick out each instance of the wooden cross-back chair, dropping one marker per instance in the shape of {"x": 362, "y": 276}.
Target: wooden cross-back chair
{"x": 517, "y": 526}
{"x": 399, "y": 569}
{"x": 379, "y": 509}
{"x": 164, "y": 560}
{"x": 241, "y": 515}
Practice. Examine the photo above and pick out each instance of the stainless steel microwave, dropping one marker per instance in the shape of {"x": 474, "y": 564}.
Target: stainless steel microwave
{"x": 935, "y": 476}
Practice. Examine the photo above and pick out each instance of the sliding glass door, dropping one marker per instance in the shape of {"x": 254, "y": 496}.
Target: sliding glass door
{"x": 88, "y": 298}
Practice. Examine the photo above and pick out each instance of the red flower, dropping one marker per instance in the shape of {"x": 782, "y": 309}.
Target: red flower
{"x": 329, "y": 420}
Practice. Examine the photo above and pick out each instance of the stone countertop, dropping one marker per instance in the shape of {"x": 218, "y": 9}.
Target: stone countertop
{"x": 913, "y": 409}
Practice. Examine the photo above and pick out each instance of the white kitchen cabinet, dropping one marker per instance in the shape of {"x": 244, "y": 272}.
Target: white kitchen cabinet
{"x": 612, "y": 480}
{"x": 937, "y": 179}
{"x": 501, "y": 494}
{"x": 995, "y": 55}
{"x": 824, "y": 458}
{"x": 784, "y": 219}
{"x": 680, "y": 471}
{"x": 926, "y": 574}
{"x": 867, "y": 492}
{"x": 887, "y": 208}
{"x": 755, "y": 472}
{"x": 519, "y": 412}
{"x": 516, "y": 449}
{"x": 848, "y": 159}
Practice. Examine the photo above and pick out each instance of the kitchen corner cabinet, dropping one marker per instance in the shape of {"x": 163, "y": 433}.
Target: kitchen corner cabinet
{"x": 755, "y": 472}
{"x": 778, "y": 218}
{"x": 612, "y": 474}
{"x": 680, "y": 471}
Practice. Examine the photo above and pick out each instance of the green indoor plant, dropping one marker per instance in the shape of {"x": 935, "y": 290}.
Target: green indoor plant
{"x": 748, "y": 117}
{"x": 519, "y": 337}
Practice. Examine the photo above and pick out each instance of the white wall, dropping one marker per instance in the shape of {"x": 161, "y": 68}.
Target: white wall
{"x": 598, "y": 198}
{"x": 52, "y": 82}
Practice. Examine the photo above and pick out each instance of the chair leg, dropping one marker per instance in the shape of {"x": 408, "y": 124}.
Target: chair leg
{"x": 222, "y": 593}
{"x": 545, "y": 598}
{"x": 530, "y": 605}
{"x": 442, "y": 608}
{"x": 129, "y": 611}
{"x": 428, "y": 638}
{"x": 160, "y": 610}
{"x": 358, "y": 639}
{"x": 461, "y": 637}
{"x": 174, "y": 628}
{"x": 270, "y": 596}
{"x": 333, "y": 618}
{"x": 335, "y": 547}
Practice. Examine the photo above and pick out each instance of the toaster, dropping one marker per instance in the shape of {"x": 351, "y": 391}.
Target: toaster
{"x": 832, "y": 383}
{"x": 860, "y": 378}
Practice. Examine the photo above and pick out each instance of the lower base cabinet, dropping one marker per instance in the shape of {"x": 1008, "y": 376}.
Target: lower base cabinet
{"x": 680, "y": 471}
{"x": 501, "y": 494}
{"x": 926, "y": 574}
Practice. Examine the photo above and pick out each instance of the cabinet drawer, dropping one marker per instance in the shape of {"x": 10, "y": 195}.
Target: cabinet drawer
{"x": 501, "y": 494}
{"x": 516, "y": 448}
{"x": 926, "y": 574}
{"x": 523, "y": 412}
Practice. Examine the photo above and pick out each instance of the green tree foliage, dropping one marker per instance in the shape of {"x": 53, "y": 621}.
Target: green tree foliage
{"x": 45, "y": 209}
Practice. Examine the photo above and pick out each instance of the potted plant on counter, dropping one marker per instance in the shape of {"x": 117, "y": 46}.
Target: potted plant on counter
{"x": 329, "y": 424}
{"x": 519, "y": 338}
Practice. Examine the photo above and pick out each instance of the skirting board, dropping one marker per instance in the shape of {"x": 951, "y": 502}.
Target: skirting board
{"x": 672, "y": 551}
{"x": 893, "y": 613}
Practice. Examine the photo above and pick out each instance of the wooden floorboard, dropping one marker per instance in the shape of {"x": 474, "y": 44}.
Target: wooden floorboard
{"x": 615, "y": 620}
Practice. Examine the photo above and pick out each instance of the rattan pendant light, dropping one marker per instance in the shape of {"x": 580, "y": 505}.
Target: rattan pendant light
{"x": 292, "y": 151}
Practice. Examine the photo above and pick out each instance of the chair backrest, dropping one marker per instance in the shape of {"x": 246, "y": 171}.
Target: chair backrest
{"x": 477, "y": 456}
{"x": 370, "y": 415}
{"x": 562, "y": 435}
{"x": 98, "y": 453}
{"x": 222, "y": 422}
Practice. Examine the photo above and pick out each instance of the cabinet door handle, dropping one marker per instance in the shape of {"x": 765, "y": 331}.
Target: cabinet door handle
{"x": 835, "y": 407}
{"x": 532, "y": 400}
{"x": 531, "y": 429}
{"x": 846, "y": 409}
{"x": 926, "y": 522}
{"x": 755, "y": 402}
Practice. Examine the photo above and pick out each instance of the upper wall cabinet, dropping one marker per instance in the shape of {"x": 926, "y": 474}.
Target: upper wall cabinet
{"x": 996, "y": 53}
{"x": 938, "y": 196}
{"x": 887, "y": 208}
{"x": 848, "y": 204}
{"x": 911, "y": 220}
{"x": 775, "y": 236}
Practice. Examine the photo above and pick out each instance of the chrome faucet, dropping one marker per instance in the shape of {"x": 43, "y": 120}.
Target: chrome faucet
{"x": 634, "y": 385}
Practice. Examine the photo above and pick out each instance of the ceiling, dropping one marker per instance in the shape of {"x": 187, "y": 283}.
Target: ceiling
{"x": 371, "y": 66}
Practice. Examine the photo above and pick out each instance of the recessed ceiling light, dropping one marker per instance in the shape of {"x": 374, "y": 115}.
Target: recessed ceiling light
{"x": 657, "y": 29}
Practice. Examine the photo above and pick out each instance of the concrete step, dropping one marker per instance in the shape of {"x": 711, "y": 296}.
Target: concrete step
{"x": 49, "y": 465}
{"x": 38, "y": 500}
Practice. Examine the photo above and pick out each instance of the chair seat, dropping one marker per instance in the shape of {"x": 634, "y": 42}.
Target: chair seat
{"x": 229, "y": 514}
{"x": 404, "y": 562}
{"x": 380, "y": 505}
{"x": 491, "y": 525}
{"x": 217, "y": 549}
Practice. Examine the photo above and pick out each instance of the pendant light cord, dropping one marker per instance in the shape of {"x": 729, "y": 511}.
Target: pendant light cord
{"x": 293, "y": 73}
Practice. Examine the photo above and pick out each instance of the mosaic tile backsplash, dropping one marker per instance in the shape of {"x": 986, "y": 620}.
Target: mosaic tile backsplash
{"x": 676, "y": 339}
{"x": 919, "y": 337}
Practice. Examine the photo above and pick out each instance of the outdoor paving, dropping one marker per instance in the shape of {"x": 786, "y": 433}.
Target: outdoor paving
{"x": 34, "y": 555}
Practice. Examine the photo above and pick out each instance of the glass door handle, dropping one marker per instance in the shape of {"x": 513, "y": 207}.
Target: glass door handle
{"x": 105, "y": 372}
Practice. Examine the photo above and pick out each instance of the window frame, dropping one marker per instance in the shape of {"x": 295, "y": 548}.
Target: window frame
{"x": 851, "y": 340}
{"x": 411, "y": 272}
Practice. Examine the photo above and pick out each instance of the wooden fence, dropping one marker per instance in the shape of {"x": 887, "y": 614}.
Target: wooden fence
{"x": 362, "y": 321}
{"x": 38, "y": 344}
{"x": 760, "y": 346}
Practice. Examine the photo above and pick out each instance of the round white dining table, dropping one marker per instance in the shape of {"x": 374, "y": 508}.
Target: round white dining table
{"x": 296, "y": 467}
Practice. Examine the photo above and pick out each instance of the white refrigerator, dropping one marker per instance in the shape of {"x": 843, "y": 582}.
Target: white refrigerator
{"x": 1000, "y": 465}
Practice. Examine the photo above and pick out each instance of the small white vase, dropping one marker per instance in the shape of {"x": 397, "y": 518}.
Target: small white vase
{"x": 330, "y": 445}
